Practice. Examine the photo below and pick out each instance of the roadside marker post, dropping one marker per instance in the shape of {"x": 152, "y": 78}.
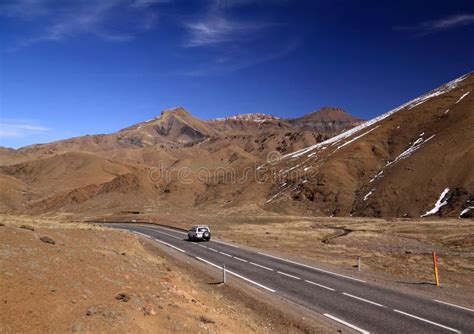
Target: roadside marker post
{"x": 358, "y": 263}
{"x": 435, "y": 268}
{"x": 224, "y": 276}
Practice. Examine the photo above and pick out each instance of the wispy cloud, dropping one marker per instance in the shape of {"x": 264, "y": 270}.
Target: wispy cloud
{"x": 217, "y": 26}
{"x": 445, "y": 23}
{"x": 13, "y": 128}
{"x": 219, "y": 29}
{"x": 65, "y": 19}
{"x": 147, "y": 3}
{"x": 233, "y": 42}
{"x": 240, "y": 3}
{"x": 228, "y": 63}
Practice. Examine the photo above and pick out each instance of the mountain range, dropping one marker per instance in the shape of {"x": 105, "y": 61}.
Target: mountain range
{"x": 415, "y": 160}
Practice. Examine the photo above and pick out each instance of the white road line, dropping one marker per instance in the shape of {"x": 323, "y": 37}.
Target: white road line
{"x": 250, "y": 281}
{"x": 238, "y": 258}
{"x": 225, "y": 243}
{"x": 259, "y": 265}
{"x": 237, "y": 275}
{"x": 282, "y": 273}
{"x": 214, "y": 250}
{"x": 345, "y": 323}
{"x": 170, "y": 229}
{"x": 169, "y": 235}
{"x": 428, "y": 321}
{"x": 320, "y": 285}
{"x": 454, "y": 305}
{"x": 362, "y": 299}
{"x": 225, "y": 254}
{"x": 209, "y": 262}
{"x": 142, "y": 234}
{"x": 169, "y": 245}
{"x": 202, "y": 246}
{"x": 311, "y": 267}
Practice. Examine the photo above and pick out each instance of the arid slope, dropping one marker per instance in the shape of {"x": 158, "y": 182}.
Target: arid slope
{"x": 413, "y": 160}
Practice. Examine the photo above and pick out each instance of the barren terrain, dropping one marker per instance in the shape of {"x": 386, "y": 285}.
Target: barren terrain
{"x": 90, "y": 279}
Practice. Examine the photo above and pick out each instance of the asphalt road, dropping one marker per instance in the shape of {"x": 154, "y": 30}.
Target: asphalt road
{"x": 346, "y": 300}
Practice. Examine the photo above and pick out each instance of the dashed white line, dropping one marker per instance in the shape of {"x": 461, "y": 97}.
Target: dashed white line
{"x": 454, "y": 305}
{"x": 170, "y": 245}
{"x": 285, "y": 274}
{"x": 320, "y": 285}
{"x": 154, "y": 230}
{"x": 225, "y": 254}
{"x": 259, "y": 265}
{"x": 428, "y": 321}
{"x": 202, "y": 246}
{"x": 362, "y": 299}
{"x": 360, "y": 330}
{"x": 214, "y": 250}
{"x": 237, "y": 275}
{"x": 225, "y": 243}
{"x": 238, "y": 258}
{"x": 315, "y": 268}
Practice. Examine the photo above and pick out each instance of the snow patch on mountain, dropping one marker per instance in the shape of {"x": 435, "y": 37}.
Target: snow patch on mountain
{"x": 355, "y": 138}
{"x": 366, "y": 197}
{"x": 442, "y": 201}
{"x": 285, "y": 187}
{"x": 466, "y": 94}
{"x": 465, "y": 211}
{"x": 251, "y": 117}
{"x": 410, "y": 105}
{"x": 405, "y": 154}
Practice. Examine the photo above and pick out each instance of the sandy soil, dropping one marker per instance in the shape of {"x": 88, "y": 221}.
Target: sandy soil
{"x": 97, "y": 280}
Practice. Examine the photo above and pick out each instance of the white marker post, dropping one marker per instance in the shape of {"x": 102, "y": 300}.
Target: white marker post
{"x": 358, "y": 263}
{"x": 224, "y": 276}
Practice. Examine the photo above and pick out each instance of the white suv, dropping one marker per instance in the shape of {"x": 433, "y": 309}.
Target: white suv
{"x": 199, "y": 232}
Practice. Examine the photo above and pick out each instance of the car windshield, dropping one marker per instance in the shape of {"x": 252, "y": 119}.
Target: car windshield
{"x": 202, "y": 229}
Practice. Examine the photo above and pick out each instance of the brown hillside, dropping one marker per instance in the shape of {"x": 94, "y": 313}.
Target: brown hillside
{"x": 63, "y": 172}
{"x": 398, "y": 164}
{"x": 327, "y": 120}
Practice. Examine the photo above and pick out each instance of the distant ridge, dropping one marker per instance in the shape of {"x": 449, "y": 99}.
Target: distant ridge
{"x": 326, "y": 119}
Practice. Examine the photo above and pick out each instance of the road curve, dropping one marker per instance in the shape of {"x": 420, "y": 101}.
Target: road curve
{"x": 348, "y": 301}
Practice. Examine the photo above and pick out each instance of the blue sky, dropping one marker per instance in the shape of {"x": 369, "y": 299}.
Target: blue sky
{"x": 78, "y": 67}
